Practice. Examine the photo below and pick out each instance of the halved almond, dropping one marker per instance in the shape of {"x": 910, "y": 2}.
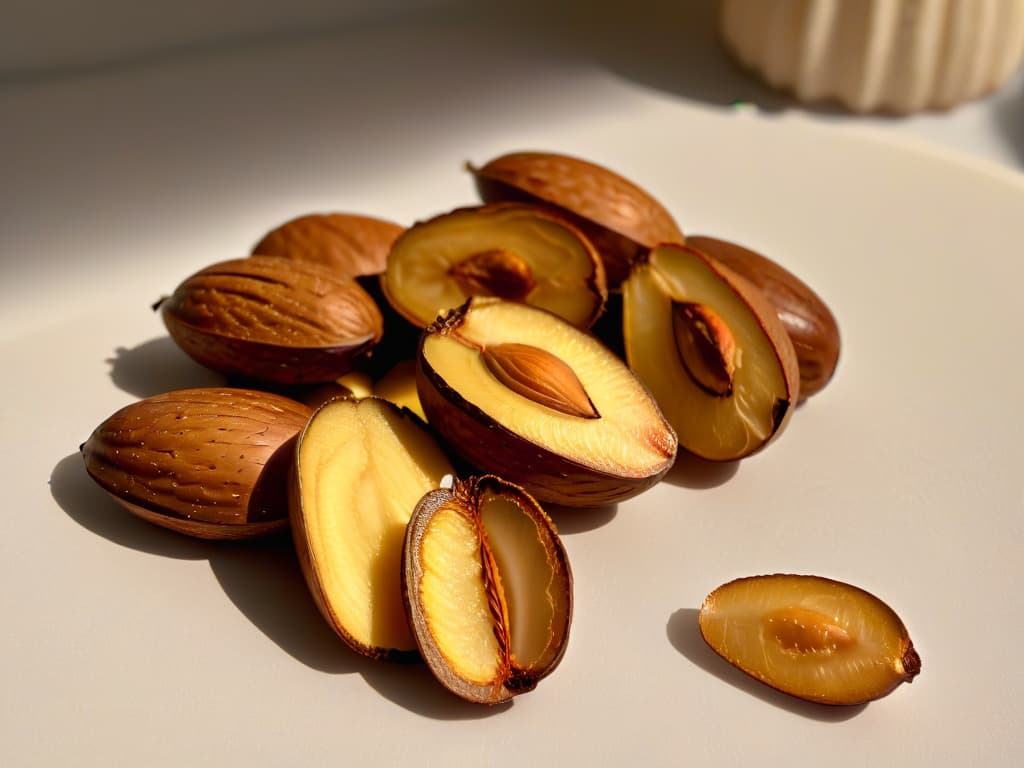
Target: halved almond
{"x": 488, "y": 589}
{"x": 361, "y": 467}
{"x": 514, "y": 252}
{"x": 571, "y": 425}
{"x": 812, "y": 637}
{"x": 711, "y": 349}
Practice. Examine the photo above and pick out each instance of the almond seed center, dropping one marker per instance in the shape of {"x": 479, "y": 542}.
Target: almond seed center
{"x": 494, "y": 272}
{"x": 706, "y": 346}
{"x": 804, "y": 631}
{"x": 541, "y": 377}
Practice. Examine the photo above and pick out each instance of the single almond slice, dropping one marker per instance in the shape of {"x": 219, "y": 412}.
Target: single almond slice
{"x": 361, "y": 467}
{"x": 488, "y": 589}
{"x": 811, "y": 637}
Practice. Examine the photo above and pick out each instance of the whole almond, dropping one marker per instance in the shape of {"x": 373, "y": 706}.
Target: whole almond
{"x": 351, "y": 244}
{"x": 209, "y": 462}
{"x": 622, "y": 220}
{"x": 272, "y": 318}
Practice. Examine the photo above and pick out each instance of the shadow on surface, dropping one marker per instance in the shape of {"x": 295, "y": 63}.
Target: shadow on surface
{"x": 680, "y": 53}
{"x": 415, "y": 688}
{"x": 158, "y": 366}
{"x": 263, "y": 580}
{"x": 570, "y": 520}
{"x": 1009, "y": 118}
{"x": 92, "y": 508}
{"x": 683, "y": 632}
{"x": 691, "y": 471}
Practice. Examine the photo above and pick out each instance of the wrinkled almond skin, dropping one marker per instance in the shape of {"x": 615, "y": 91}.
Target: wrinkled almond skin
{"x": 273, "y": 319}
{"x": 351, "y": 244}
{"x": 621, "y": 219}
{"x": 211, "y": 462}
{"x": 808, "y": 321}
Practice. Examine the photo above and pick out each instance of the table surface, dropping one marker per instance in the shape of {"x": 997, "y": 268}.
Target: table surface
{"x": 125, "y": 645}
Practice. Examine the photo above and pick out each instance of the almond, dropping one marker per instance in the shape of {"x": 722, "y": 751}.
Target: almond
{"x": 706, "y": 346}
{"x": 274, "y": 319}
{"x": 208, "y": 462}
{"x": 351, "y": 244}
{"x": 622, "y": 220}
{"x": 539, "y": 376}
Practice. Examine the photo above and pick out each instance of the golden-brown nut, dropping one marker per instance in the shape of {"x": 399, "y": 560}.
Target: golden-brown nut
{"x": 621, "y": 219}
{"x": 273, "y": 319}
{"x": 211, "y": 463}
{"x": 351, "y": 244}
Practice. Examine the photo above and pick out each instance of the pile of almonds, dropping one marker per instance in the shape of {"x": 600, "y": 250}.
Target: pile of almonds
{"x": 405, "y": 400}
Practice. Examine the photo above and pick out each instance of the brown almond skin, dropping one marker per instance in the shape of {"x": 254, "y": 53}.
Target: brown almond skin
{"x": 808, "y": 321}
{"x": 620, "y": 219}
{"x": 351, "y": 244}
{"x": 207, "y": 462}
{"x": 273, "y": 319}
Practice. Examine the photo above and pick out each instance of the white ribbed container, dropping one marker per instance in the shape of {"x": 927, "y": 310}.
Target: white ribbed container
{"x": 878, "y": 55}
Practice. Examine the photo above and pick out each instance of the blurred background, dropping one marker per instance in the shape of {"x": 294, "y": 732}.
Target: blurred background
{"x": 119, "y": 118}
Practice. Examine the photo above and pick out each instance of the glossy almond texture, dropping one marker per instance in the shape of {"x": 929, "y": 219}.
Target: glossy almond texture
{"x": 351, "y": 244}
{"x": 619, "y": 217}
{"x": 809, "y": 322}
{"x": 274, "y": 319}
{"x": 815, "y": 638}
{"x": 488, "y": 589}
{"x": 361, "y": 467}
{"x": 518, "y": 391}
{"x": 211, "y": 463}
{"x": 515, "y": 252}
{"x": 711, "y": 349}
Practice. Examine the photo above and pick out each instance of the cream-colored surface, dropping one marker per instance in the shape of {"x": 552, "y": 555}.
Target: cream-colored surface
{"x": 895, "y": 55}
{"x": 126, "y": 645}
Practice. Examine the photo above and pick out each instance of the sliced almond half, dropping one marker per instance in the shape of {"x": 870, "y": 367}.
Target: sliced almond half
{"x": 488, "y": 589}
{"x": 712, "y": 350}
{"x": 513, "y": 252}
{"x": 361, "y": 467}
